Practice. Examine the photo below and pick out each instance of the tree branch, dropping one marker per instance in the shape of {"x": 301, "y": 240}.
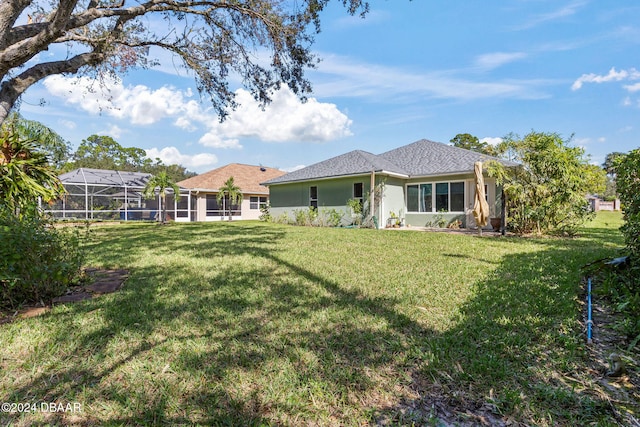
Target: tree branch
{"x": 12, "y": 89}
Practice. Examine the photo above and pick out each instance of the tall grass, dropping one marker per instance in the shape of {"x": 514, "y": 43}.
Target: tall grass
{"x": 246, "y": 323}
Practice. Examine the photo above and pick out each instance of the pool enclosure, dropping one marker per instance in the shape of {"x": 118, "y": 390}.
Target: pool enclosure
{"x": 98, "y": 194}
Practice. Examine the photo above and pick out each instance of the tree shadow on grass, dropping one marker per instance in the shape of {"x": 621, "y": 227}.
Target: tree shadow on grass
{"x": 275, "y": 342}
{"x": 517, "y": 353}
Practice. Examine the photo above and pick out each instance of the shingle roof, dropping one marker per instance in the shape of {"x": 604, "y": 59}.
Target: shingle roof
{"x": 421, "y": 158}
{"x": 355, "y": 162}
{"x": 247, "y": 177}
{"x": 426, "y": 158}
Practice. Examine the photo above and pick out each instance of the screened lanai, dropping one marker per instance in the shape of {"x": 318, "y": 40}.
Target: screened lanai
{"x": 115, "y": 195}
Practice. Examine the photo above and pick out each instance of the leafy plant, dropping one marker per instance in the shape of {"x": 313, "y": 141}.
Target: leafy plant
{"x": 265, "y": 213}
{"x": 231, "y": 192}
{"x": 305, "y": 217}
{"x": 623, "y": 287}
{"x": 628, "y": 185}
{"x": 37, "y": 261}
{"x": 355, "y": 205}
{"x": 25, "y": 173}
{"x": 329, "y": 217}
{"x": 161, "y": 183}
{"x": 546, "y": 193}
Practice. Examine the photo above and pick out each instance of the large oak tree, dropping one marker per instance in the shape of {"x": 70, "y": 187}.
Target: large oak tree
{"x": 214, "y": 38}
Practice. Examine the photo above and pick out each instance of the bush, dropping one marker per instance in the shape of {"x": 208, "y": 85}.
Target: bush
{"x": 37, "y": 262}
{"x": 265, "y": 213}
{"x": 624, "y": 287}
{"x": 546, "y": 193}
{"x": 621, "y": 288}
{"x": 628, "y": 185}
{"x": 305, "y": 217}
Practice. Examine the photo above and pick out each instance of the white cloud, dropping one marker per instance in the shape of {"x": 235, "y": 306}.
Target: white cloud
{"x": 137, "y": 104}
{"x": 568, "y": 10}
{"x": 611, "y": 76}
{"x": 69, "y": 124}
{"x": 497, "y": 59}
{"x": 285, "y": 119}
{"x": 171, "y": 155}
{"x": 632, "y": 88}
{"x": 114, "y": 131}
{"x": 212, "y": 139}
{"x": 294, "y": 168}
{"x": 342, "y": 76}
{"x": 492, "y": 140}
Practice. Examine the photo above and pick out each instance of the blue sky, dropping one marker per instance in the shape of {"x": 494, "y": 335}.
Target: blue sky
{"x": 409, "y": 70}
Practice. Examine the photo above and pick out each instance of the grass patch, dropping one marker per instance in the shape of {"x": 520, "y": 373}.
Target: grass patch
{"x": 246, "y": 323}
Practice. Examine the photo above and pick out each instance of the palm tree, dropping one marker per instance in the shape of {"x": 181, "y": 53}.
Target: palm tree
{"x": 25, "y": 173}
{"x": 231, "y": 190}
{"x": 162, "y": 182}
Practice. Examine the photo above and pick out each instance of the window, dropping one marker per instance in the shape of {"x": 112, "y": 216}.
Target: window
{"x": 412, "y": 198}
{"x": 213, "y": 208}
{"x": 256, "y": 202}
{"x": 456, "y": 189}
{"x": 426, "y": 202}
{"x": 447, "y": 197}
{"x": 313, "y": 197}
{"x": 442, "y": 196}
{"x": 358, "y": 191}
{"x": 220, "y": 209}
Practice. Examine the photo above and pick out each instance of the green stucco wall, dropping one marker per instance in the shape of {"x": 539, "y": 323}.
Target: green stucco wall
{"x": 334, "y": 193}
{"x": 331, "y": 192}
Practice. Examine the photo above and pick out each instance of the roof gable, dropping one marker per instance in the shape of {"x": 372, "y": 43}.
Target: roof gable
{"x": 247, "y": 177}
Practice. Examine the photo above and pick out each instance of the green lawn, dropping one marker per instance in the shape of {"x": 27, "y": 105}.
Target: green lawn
{"x": 247, "y": 323}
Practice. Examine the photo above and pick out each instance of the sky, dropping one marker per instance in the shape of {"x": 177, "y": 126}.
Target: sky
{"x": 409, "y": 70}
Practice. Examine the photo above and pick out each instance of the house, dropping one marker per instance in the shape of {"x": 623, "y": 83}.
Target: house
{"x": 425, "y": 183}
{"x": 201, "y": 200}
{"x": 597, "y": 204}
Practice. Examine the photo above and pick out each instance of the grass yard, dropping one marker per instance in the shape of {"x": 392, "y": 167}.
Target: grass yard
{"x": 247, "y": 323}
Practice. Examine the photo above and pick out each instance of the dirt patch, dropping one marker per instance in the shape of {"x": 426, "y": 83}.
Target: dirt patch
{"x": 98, "y": 282}
{"x": 609, "y": 347}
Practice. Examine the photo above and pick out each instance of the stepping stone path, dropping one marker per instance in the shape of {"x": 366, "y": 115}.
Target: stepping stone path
{"x": 101, "y": 282}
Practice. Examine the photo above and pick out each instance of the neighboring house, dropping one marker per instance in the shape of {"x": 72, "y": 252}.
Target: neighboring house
{"x": 424, "y": 183}
{"x": 597, "y": 204}
{"x": 203, "y": 191}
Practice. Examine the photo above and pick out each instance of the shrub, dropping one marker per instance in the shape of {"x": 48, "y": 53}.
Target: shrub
{"x": 546, "y": 193}
{"x": 625, "y": 290}
{"x": 306, "y": 217}
{"x": 37, "y": 262}
{"x": 620, "y": 286}
{"x": 628, "y": 185}
{"x": 265, "y": 213}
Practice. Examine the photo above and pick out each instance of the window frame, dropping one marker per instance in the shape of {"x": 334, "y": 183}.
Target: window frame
{"x": 420, "y": 204}
{"x": 313, "y": 201}
{"x": 259, "y": 202}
